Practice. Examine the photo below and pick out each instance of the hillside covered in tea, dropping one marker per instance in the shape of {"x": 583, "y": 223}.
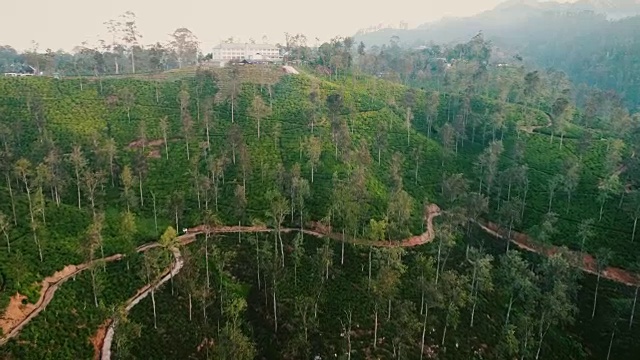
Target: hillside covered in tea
{"x": 304, "y": 198}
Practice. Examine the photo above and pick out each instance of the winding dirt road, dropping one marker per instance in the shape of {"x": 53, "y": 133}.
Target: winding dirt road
{"x": 14, "y": 321}
{"x": 105, "y": 349}
{"x": 17, "y": 315}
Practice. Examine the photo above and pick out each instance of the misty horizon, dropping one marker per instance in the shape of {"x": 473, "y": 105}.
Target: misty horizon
{"x": 68, "y": 23}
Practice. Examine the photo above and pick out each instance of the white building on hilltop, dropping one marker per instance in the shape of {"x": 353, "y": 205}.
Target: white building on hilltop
{"x": 225, "y": 52}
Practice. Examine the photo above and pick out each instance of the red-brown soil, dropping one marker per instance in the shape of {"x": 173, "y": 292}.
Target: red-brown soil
{"x": 584, "y": 261}
{"x": 98, "y": 339}
{"x": 18, "y": 315}
{"x": 151, "y": 144}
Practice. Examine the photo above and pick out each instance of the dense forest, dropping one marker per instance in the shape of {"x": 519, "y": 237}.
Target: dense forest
{"x": 328, "y": 174}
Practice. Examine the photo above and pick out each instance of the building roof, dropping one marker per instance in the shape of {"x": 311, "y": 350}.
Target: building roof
{"x": 20, "y": 69}
{"x": 242, "y": 46}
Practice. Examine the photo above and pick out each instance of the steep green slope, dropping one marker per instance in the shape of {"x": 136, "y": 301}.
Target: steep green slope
{"x": 71, "y": 115}
{"x": 38, "y": 115}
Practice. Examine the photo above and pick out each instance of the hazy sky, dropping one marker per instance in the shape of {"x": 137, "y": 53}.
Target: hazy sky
{"x": 65, "y": 23}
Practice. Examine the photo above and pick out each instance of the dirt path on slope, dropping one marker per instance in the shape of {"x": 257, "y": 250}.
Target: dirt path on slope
{"x": 105, "y": 348}
{"x": 318, "y": 230}
{"x": 584, "y": 261}
{"x": 14, "y": 320}
{"x": 103, "y": 340}
{"x": 18, "y": 315}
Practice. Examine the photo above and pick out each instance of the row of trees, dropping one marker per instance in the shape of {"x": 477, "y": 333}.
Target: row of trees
{"x": 121, "y": 51}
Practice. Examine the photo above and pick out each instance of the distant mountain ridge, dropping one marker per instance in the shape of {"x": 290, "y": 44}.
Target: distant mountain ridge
{"x": 500, "y": 20}
{"x": 593, "y": 41}
{"x": 611, "y": 9}
{"x": 614, "y": 9}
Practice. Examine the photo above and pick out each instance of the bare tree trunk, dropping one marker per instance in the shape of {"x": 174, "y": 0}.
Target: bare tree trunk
{"x": 206, "y": 257}
{"x": 35, "y": 238}
{"x": 166, "y": 146}
{"x": 275, "y": 307}
{"x": 266, "y": 297}
{"x": 198, "y": 192}
{"x": 153, "y": 302}
{"x": 370, "y": 249}
{"x": 633, "y": 308}
{"x": 595, "y": 295}
{"x": 438, "y": 264}
{"x": 140, "y": 184}
{"x": 133, "y": 62}
{"x": 78, "y": 187}
{"x": 13, "y": 203}
{"x": 509, "y": 310}
{"x": 8, "y": 242}
{"x": 526, "y": 341}
{"x": 204, "y": 310}
{"x": 190, "y": 307}
{"x": 375, "y": 327}
{"x": 524, "y": 200}
{"x": 424, "y": 330}
{"x": 281, "y": 247}
{"x": 93, "y": 285}
{"x": 541, "y": 334}
{"x": 110, "y": 172}
{"x": 444, "y": 333}
{"x": 208, "y": 137}
{"x": 155, "y": 213}
{"x": 349, "y": 340}
{"x": 33, "y": 228}
{"x": 610, "y": 344}
{"x": 342, "y": 252}
{"x": 474, "y": 294}
{"x": 326, "y": 272}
